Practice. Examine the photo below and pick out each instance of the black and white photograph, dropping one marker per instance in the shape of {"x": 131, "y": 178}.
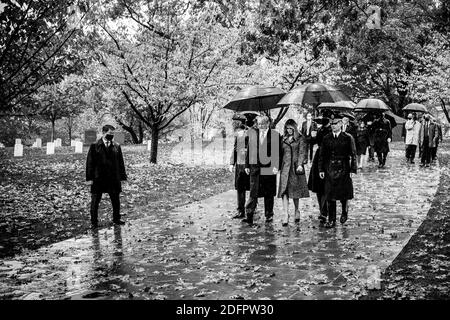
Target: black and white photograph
{"x": 241, "y": 152}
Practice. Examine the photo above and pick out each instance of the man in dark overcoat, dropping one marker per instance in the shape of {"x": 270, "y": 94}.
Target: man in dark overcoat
{"x": 237, "y": 161}
{"x": 105, "y": 171}
{"x": 428, "y": 135}
{"x": 309, "y": 131}
{"x": 382, "y": 137}
{"x": 337, "y": 162}
{"x": 262, "y": 164}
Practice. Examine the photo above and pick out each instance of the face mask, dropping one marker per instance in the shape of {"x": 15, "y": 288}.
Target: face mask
{"x": 109, "y": 137}
{"x": 427, "y": 118}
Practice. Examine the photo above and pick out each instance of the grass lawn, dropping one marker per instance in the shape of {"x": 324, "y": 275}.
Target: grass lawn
{"x": 44, "y": 199}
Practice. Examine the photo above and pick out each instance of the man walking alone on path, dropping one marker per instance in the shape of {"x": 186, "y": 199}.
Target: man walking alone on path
{"x": 105, "y": 170}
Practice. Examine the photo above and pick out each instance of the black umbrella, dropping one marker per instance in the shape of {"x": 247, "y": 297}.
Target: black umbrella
{"x": 313, "y": 94}
{"x": 417, "y": 107}
{"x": 255, "y": 98}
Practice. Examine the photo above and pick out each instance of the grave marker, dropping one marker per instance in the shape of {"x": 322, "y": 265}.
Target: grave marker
{"x": 119, "y": 137}
{"x": 78, "y": 147}
{"x": 58, "y": 143}
{"x": 50, "y": 148}
{"x": 38, "y": 143}
{"x": 18, "y": 150}
{"x": 18, "y": 141}
{"x": 90, "y": 136}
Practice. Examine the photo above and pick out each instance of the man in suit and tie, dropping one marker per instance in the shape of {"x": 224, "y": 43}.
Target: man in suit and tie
{"x": 309, "y": 131}
{"x": 105, "y": 170}
{"x": 262, "y": 163}
{"x": 428, "y": 136}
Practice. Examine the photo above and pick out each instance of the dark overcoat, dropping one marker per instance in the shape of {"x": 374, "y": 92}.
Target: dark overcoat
{"x": 381, "y": 131}
{"x": 337, "y": 158}
{"x": 315, "y": 184}
{"x": 262, "y": 157}
{"x": 293, "y": 153}
{"x": 238, "y": 155}
{"x": 105, "y": 167}
{"x": 362, "y": 141}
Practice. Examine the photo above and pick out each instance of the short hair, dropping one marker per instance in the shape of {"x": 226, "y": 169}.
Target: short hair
{"x": 263, "y": 119}
{"x": 107, "y": 127}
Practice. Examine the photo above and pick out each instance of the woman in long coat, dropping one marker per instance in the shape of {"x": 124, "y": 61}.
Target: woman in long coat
{"x": 292, "y": 173}
{"x": 315, "y": 184}
{"x": 362, "y": 142}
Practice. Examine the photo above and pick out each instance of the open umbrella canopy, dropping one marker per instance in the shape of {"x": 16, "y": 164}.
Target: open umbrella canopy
{"x": 255, "y": 98}
{"x": 313, "y": 94}
{"x": 371, "y": 105}
{"x": 344, "y": 104}
{"x": 417, "y": 107}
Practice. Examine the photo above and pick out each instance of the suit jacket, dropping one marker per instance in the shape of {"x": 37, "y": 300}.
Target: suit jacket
{"x": 433, "y": 134}
{"x": 261, "y": 158}
{"x": 307, "y": 133}
{"x": 105, "y": 167}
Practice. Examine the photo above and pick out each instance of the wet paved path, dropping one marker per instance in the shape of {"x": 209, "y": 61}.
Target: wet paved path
{"x": 198, "y": 252}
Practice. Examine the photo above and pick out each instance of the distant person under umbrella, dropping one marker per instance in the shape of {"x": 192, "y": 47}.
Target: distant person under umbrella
{"x": 428, "y": 136}
{"x": 382, "y": 137}
{"x": 309, "y": 131}
{"x": 362, "y": 141}
{"x": 438, "y": 140}
{"x": 412, "y": 127}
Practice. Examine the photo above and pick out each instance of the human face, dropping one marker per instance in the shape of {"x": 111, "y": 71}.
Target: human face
{"x": 290, "y": 130}
{"x": 263, "y": 124}
{"x": 336, "y": 126}
{"x": 345, "y": 120}
{"x": 410, "y": 116}
{"x": 308, "y": 116}
{"x": 109, "y": 135}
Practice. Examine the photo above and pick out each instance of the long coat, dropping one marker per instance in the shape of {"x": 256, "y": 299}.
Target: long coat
{"x": 337, "y": 159}
{"x": 261, "y": 160}
{"x": 241, "y": 179}
{"x": 412, "y": 128}
{"x": 293, "y": 153}
{"x": 382, "y": 131}
{"x": 307, "y": 133}
{"x": 105, "y": 167}
{"x": 315, "y": 184}
{"x": 362, "y": 141}
{"x": 433, "y": 134}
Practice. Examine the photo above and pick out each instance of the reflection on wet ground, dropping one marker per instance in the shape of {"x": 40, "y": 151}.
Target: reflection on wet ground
{"x": 199, "y": 252}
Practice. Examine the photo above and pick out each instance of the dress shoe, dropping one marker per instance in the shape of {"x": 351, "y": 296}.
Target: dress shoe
{"x": 427, "y": 165}
{"x": 344, "y": 217}
{"x": 248, "y": 220}
{"x": 412, "y": 162}
{"x": 269, "y": 219}
{"x": 239, "y": 215}
{"x": 119, "y": 222}
{"x": 285, "y": 224}
{"x": 330, "y": 224}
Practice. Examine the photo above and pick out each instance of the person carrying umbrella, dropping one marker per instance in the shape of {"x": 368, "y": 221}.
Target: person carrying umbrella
{"x": 337, "y": 163}
{"x": 315, "y": 183}
{"x": 412, "y": 127}
{"x": 382, "y": 137}
{"x": 237, "y": 161}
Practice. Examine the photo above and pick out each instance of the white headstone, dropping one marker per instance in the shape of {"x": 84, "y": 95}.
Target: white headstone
{"x": 72, "y": 143}
{"x": 58, "y": 143}
{"x": 38, "y": 142}
{"x": 34, "y": 145}
{"x": 50, "y": 148}
{"x": 149, "y": 145}
{"x": 78, "y": 147}
{"x": 18, "y": 150}
{"x": 18, "y": 141}
{"x": 2, "y": 145}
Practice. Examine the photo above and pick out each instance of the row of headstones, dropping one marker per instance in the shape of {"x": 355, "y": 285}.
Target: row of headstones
{"x": 18, "y": 146}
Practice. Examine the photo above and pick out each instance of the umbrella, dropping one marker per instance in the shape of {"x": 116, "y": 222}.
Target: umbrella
{"x": 314, "y": 94}
{"x": 415, "y": 107}
{"x": 393, "y": 118}
{"x": 348, "y": 105}
{"x": 371, "y": 105}
{"x": 255, "y": 98}
{"x": 348, "y": 115}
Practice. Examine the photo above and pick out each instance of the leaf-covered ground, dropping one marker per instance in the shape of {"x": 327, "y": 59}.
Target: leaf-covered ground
{"x": 43, "y": 199}
{"x": 422, "y": 269}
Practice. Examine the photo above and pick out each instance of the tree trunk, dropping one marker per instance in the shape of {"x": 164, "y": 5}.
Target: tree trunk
{"x": 69, "y": 125}
{"x": 53, "y": 130}
{"x": 154, "y": 146}
{"x": 141, "y": 132}
{"x": 445, "y": 110}
{"x": 130, "y": 130}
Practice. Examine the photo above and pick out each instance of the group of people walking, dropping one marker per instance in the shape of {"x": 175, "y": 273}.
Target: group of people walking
{"x": 260, "y": 154}
{"x": 425, "y": 133}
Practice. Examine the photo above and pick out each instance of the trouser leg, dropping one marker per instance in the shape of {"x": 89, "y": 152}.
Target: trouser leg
{"x": 241, "y": 201}
{"x": 311, "y": 149}
{"x": 268, "y": 206}
{"x": 115, "y": 201}
{"x": 413, "y": 152}
{"x": 331, "y": 210}
{"x": 344, "y": 204}
{"x": 250, "y": 207}
{"x": 322, "y": 204}
{"x": 95, "y": 201}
